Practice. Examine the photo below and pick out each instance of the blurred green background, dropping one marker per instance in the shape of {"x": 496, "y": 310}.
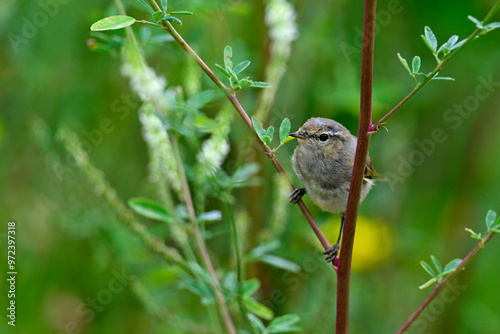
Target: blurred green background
{"x": 70, "y": 245}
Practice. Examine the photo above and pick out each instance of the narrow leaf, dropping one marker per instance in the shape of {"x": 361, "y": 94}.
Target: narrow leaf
{"x": 149, "y": 8}
{"x": 427, "y": 268}
{"x": 476, "y": 21}
{"x": 491, "y": 218}
{"x": 428, "y": 283}
{"x": 164, "y": 5}
{"x": 267, "y": 247}
{"x": 443, "y": 78}
{"x": 228, "y": 54}
{"x": 284, "y": 129}
{"x": 172, "y": 19}
{"x": 233, "y": 75}
{"x": 491, "y": 26}
{"x": 473, "y": 234}
{"x": 210, "y": 216}
{"x": 459, "y": 44}
{"x": 241, "y": 66}
{"x": 405, "y": 63}
{"x": 113, "y": 23}
{"x": 257, "y": 308}
{"x": 150, "y": 209}
{"x": 256, "y": 323}
{"x": 280, "y": 262}
{"x": 223, "y": 71}
{"x": 260, "y": 84}
{"x": 431, "y": 39}
{"x": 451, "y": 266}
{"x": 437, "y": 264}
{"x": 180, "y": 12}
{"x": 285, "y": 320}
{"x": 415, "y": 64}
{"x": 447, "y": 47}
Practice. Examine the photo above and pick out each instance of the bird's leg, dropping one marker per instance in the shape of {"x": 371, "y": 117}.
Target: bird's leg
{"x": 297, "y": 194}
{"x": 331, "y": 253}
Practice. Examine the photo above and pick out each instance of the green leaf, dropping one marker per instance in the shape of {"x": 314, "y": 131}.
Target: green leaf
{"x": 150, "y": 209}
{"x": 280, "y": 262}
{"x": 428, "y": 283}
{"x": 233, "y": 75}
{"x": 250, "y": 287}
{"x": 443, "y": 78}
{"x": 284, "y": 324}
{"x": 113, "y": 23}
{"x": 245, "y": 83}
{"x": 459, "y": 44}
{"x": 285, "y": 129}
{"x": 172, "y": 19}
{"x": 149, "y": 8}
{"x": 180, "y": 12}
{"x": 405, "y": 63}
{"x": 491, "y": 218}
{"x": 256, "y": 323}
{"x": 437, "y": 264}
{"x": 270, "y": 132}
{"x": 164, "y": 5}
{"x": 427, "y": 268}
{"x": 158, "y": 16}
{"x": 257, "y": 125}
{"x": 210, "y": 216}
{"x": 257, "y": 308}
{"x": 260, "y": 84}
{"x": 287, "y": 139}
{"x": 451, "y": 266}
{"x": 415, "y": 64}
{"x": 473, "y": 234}
{"x": 475, "y": 21}
{"x": 430, "y": 39}
{"x": 223, "y": 70}
{"x": 241, "y": 66}
{"x": 447, "y": 47}
{"x": 264, "y": 248}
{"x": 491, "y": 26}
{"x": 266, "y": 139}
{"x": 228, "y": 54}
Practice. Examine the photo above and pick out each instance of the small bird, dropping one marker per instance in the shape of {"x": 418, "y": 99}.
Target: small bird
{"x": 323, "y": 161}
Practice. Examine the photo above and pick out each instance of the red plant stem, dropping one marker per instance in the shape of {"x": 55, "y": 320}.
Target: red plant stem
{"x": 365, "y": 120}
{"x": 438, "y": 287}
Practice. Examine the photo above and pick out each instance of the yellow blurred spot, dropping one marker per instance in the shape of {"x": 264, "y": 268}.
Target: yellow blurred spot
{"x": 372, "y": 242}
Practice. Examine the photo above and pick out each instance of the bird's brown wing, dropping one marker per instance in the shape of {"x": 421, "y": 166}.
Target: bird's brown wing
{"x": 370, "y": 172}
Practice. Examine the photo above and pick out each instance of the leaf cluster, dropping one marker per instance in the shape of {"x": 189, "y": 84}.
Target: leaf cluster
{"x": 266, "y": 136}
{"x": 231, "y": 72}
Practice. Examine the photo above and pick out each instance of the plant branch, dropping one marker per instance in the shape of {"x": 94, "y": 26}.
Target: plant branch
{"x": 439, "y": 286}
{"x": 235, "y": 102}
{"x": 375, "y": 127}
{"x": 365, "y": 118}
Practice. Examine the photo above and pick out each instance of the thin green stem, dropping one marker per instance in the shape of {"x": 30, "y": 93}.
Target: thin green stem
{"x": 365, "y": 118}
{"x": 439, "y": 286}
{"x": 228, "y": 213}
{"x": 375, "y": 127}
{"x": 188, "y": 200}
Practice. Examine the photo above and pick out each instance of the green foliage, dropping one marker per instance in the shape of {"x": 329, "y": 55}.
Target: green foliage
{"x": 439, "y": 274}
{"x": 492, "y": 225}
{"x": 266, "y": 136}
{"x": 113, "y": 23}
{"x": 232, "y": 73}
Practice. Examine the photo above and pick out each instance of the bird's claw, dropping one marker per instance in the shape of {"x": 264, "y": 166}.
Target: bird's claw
{"x": 331, "y": 253}
{"x": 297, "y": 194}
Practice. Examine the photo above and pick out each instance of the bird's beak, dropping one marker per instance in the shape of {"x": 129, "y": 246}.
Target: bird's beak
{"x": 298, "y": 135}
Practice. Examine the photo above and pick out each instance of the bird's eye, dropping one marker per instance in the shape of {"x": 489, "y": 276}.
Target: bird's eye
{"x": 323, "y": 137}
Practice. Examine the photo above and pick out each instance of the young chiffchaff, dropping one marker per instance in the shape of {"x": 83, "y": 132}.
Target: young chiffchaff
{"x": 323, "y": 161}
